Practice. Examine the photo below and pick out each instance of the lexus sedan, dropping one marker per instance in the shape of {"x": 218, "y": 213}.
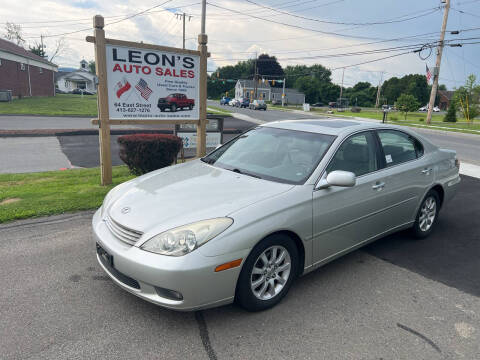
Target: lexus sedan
{"x": 278, "y": 201}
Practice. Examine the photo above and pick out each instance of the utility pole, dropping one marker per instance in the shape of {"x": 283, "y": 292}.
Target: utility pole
{"x": 43, "y": 47}
{"x": 379, "y": 89}
{"x": 436, "y": 70}
{"x": 283, "y": 93}
{"x": 341, "y": 89}
{"x": 183, "y": 17}
{"x": 255, "y": 79}
{"x": 202, "y": 124}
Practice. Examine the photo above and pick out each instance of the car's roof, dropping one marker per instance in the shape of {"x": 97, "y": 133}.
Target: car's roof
{"x": 332, "y": 126}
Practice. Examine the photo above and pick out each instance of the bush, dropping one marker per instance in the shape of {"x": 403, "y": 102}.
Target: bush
{"x": 356, "y": 109}
{"x": 421, "y": 118}
{"x": 394, "y": 118}
{"x": 147, "y": 152}
{"x": 451, "y": 115}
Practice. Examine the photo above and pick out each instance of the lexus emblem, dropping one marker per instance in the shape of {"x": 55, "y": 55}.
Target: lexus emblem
{"x": 125, "y": 210}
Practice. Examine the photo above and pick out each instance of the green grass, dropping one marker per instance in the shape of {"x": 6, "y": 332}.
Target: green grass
{"x": 54, "y": 192}
{"x": 61, "y": 104}
{"x": 217, "y": 110}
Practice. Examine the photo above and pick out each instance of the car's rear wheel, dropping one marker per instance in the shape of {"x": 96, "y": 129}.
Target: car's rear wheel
{"x": 267, "y": 273}
{"x": 427, "y": 215}
{"x": 190, "y": 107}
{"x": 173, "y": 107}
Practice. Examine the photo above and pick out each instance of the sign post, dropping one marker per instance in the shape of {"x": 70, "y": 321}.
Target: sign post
{"x": 103, "y": 115}
{"x": 147, "y": 84}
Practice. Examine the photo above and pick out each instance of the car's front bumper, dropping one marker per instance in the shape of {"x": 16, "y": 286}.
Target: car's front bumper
{"x": 192, "y": 275}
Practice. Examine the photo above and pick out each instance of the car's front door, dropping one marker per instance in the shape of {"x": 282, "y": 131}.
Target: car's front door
{"x": 344, "y": 217}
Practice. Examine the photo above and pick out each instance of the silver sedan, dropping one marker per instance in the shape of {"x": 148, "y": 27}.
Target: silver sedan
{"x": 274, "y": 203}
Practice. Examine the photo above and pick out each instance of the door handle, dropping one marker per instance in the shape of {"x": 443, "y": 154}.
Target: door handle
{"x": 378, "y": 186}
{"x": 426, "y": 171}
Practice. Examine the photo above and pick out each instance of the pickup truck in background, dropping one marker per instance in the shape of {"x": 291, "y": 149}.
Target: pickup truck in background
{"x": 175, "y": 101}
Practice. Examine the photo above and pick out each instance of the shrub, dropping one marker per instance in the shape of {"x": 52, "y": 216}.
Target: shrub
{"x": 356, "y": 109}
{"x": 394, "y": 118}
{"x": 147, "y": 152}
{"x": 421, "y": 118}
{"x": 451, "y": 115}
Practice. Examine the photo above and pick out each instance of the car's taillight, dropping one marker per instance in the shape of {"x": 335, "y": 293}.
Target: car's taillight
{"x": 457, "y": 163}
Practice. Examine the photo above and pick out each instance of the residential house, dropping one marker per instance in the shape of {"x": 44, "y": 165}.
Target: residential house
{"x": 82, "y": 78}
{"x": 444, "y": 98}
{"x": 246, "y": 89}
{"x": 24, "y": 73}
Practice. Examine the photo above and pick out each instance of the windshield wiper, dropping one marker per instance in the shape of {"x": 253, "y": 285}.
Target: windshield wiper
{"x": 208, "y": 161}
{"x": 244, "y": 173}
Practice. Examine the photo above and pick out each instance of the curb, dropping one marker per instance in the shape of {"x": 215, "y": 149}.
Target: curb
{"x": 83, "y": 132}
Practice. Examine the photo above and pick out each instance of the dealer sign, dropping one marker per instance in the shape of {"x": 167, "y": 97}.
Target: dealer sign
{"x": 152, "y": 84}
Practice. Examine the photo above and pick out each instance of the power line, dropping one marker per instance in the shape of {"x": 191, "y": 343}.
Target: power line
{"x": 429, "y": 11}
{"x": 296, "y": 26}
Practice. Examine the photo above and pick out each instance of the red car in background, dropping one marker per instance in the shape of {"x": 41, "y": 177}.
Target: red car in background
{"x": 175, "y": 101}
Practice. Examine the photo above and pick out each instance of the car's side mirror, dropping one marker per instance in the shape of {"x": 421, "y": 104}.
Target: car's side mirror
{"x": 338, "y": 178}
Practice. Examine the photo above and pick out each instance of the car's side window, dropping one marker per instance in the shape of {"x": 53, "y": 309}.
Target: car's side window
{"x": 357, "y": 154}
{"x": 399, "y": 147}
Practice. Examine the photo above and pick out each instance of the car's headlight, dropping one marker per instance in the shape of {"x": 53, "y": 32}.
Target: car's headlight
{"x": 184, "y": 239}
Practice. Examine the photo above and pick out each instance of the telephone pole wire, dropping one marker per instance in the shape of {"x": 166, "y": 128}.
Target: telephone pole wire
{"x": 436, "y": 70}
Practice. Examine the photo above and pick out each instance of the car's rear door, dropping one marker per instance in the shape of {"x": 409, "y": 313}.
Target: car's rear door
{"x": 344, "y": 217}
{"x": 408, "y": 174}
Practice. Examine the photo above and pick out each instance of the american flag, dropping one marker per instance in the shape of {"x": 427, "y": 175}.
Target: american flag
{"x": 429, "y": 74}
{"x": 145, "y": 91}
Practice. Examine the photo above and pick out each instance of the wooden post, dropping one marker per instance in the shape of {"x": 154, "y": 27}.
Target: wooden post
{"x": 102, "y": 102}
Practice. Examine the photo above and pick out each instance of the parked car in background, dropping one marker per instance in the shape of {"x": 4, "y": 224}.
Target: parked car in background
{"x": 258, "y": 105}
{"x": 81, "y": 92}
{"x": 300, "y": 194}
{"x": 175, "y": 101}
{"x": 233, "y": 102}
{"x": 436, "y": 109}
{"x": 332, "y": 104}
{"x": 318, "y": 104}
{"x": 423, "y": 108}
{"x": 244, "y": 103}
{"x": 224, "y": 100}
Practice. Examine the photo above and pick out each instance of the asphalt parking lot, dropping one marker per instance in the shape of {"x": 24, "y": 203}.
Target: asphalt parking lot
{"x": 396, "y": 299}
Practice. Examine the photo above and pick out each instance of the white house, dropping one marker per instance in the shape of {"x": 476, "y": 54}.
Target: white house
{"x": 82, "y": 78}
{"x": 245, "y": 89}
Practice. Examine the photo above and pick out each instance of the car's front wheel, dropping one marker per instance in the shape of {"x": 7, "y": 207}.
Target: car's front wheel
{"x": 267, "y": 273}
{"x": 173, "y": 107}
{"x": 427, "y": 215}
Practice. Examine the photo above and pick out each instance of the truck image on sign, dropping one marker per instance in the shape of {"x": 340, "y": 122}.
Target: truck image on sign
{"x": 175, "y": 101}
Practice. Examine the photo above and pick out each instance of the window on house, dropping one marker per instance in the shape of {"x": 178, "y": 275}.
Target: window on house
{"x": 0, "y": 62}
{"x": 66, "y": 84}
{"x": 40, "y": 70}
{"x": 22, "y": 66}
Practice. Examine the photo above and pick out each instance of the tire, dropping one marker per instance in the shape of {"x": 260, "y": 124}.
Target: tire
{"x": 162, "y": 109}
{"x": 427, "y": 215}
{"x": 190, "y": 107}
{"x": 265, "y": 295}
{"x": 173, "y": 108}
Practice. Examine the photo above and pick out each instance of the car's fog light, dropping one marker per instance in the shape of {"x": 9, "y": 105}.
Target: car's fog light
{"x": 169, "y": 294}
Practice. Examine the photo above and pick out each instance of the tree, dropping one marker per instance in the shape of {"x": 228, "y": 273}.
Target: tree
{"x": 268, "y": 66}
{"x": 13, "y": 33}
{"x": 37, "y": 49}
{"x": 91, "y": 67}
{"x": 451, "y": 115}
{"x": 412, "y": 84}
{"x": 407, "y": 103}
{"x": 60, "y": 47}
{"x": 467, "y": 98}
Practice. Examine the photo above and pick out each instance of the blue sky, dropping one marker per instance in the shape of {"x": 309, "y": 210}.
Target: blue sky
{"x": 244, "y": 27}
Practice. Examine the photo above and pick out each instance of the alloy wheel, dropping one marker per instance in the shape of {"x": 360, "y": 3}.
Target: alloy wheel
{"x": 428, "y": 212}
{"x": 270, "y": 272}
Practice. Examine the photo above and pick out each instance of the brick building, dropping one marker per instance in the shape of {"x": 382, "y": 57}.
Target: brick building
{"x": 25, "y": 73}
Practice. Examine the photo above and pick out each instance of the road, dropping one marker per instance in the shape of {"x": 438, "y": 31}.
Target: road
{"x": 399, "y": 298}
{"x": 58, "y": 152}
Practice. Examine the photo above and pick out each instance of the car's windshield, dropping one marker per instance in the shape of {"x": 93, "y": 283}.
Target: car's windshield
{"x": 281, "y": 155}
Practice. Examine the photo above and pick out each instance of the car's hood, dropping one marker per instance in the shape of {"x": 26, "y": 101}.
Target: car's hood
{"x": 187, "y": 193}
